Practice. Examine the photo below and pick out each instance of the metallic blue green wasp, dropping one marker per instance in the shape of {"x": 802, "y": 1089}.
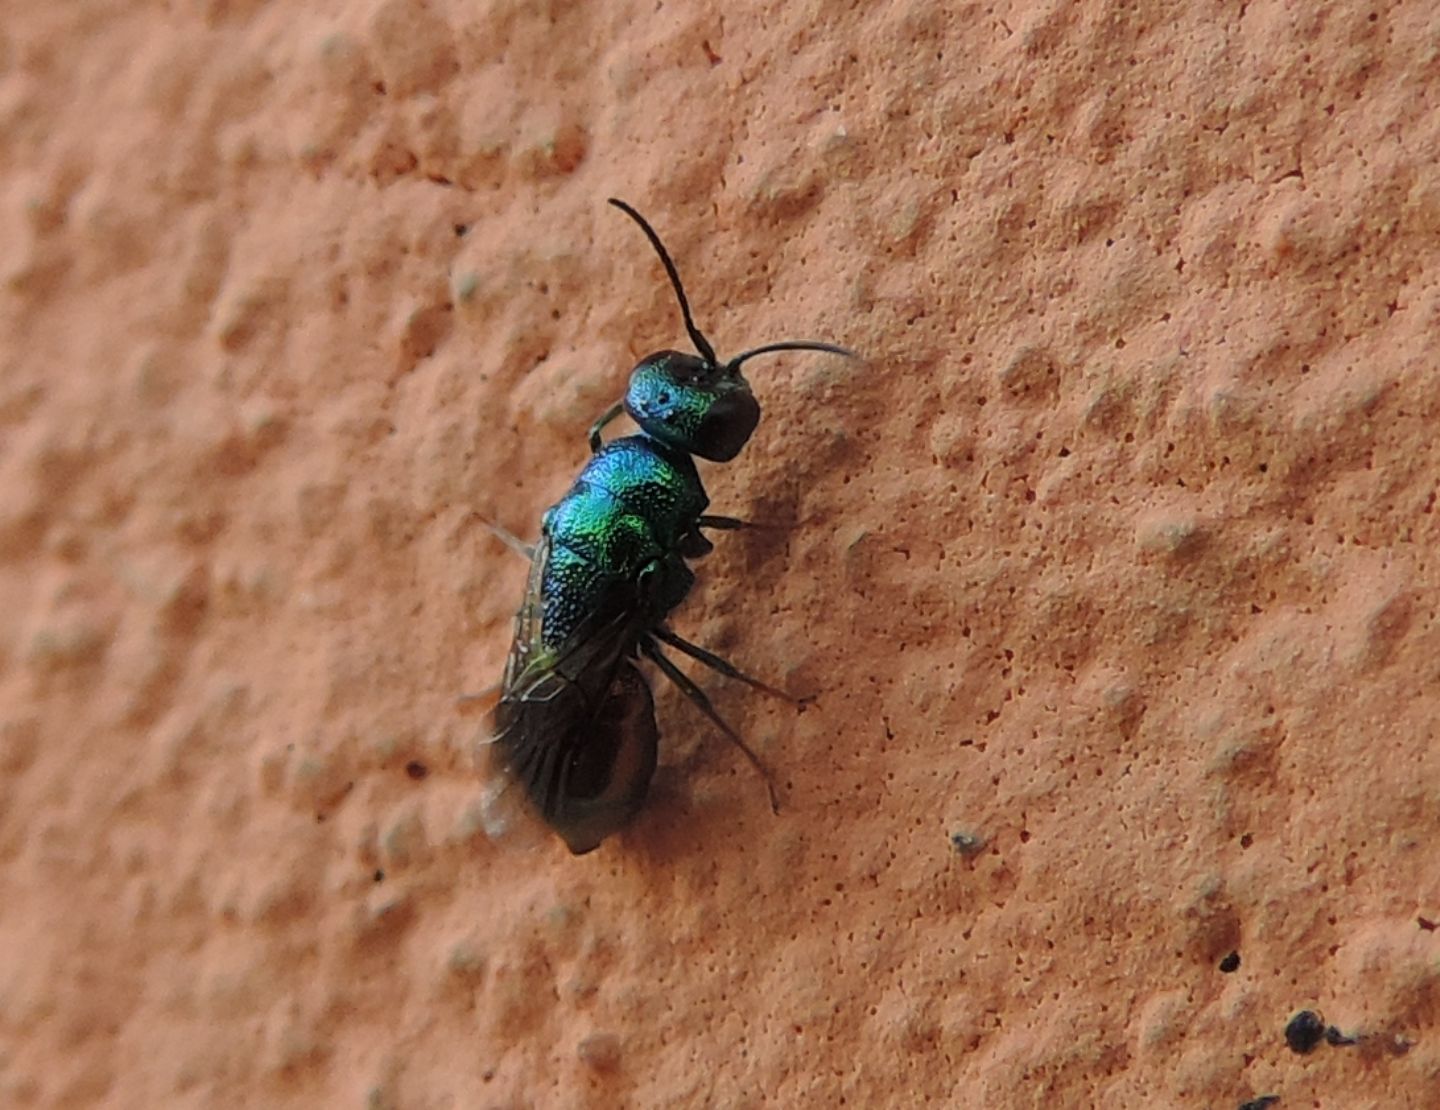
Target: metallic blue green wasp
{"x": 575, "y": 725}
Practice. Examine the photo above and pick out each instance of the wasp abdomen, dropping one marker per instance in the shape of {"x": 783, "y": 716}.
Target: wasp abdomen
{"x": 611, "y": 769}
{"x": 587, "y": 781}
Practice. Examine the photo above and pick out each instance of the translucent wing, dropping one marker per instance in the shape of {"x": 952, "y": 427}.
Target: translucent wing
{"x": 575, "y": 725}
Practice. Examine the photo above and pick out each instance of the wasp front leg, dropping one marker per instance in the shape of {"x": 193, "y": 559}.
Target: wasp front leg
{"x": 694, "y": 545}
{"x": 599, "y": 426}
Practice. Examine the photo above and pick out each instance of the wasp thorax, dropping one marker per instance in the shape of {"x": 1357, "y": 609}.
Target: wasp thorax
{"x": 690, "y": 403}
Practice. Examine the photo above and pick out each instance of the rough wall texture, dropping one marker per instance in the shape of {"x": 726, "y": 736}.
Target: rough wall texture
{"x": 1117, "y": 559}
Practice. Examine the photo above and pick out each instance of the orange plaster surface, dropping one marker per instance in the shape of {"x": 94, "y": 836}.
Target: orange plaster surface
{"x": 1112, "y": 572}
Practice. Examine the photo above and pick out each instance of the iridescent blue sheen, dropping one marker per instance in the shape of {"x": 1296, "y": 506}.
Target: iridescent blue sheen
{"x": 615, "y": 537}
{"x": 693, "y": 405}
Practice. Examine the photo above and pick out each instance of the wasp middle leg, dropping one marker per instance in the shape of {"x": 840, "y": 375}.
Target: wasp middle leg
{"x": 701, "y": 701}
{"x": 719, "y": 664}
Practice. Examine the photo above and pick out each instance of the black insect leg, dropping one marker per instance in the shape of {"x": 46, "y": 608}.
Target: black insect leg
{"x": 596, "y": 428}
{"x": 734, "y": 524}
{"x": 698, "y": 697}
{"x": 716, "y": 663}
{"x": 694, "y": 544}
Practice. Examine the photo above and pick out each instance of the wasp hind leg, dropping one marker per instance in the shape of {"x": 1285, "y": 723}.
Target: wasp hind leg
{"x": 716, "y": 663}
{"x": 701, "y": 701}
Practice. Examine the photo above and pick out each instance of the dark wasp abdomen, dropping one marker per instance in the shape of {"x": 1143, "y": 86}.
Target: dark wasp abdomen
{"x": 615, "y": 537}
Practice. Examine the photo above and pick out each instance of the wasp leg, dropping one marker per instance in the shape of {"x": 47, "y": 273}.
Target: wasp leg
{"x": 716, "y": 663}
{"x": 596, "y": 428}
{"x": 510, "y": 539}
{"x": 702, "y": 702}
{"x": 484, "y": 695}
{"x": 520, "y": 547}
{"x": 734, "y": 524}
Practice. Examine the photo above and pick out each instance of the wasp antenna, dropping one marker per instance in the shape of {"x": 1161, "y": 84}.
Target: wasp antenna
{"x": 701, "y": 343}
{"x": 792, "y": 345}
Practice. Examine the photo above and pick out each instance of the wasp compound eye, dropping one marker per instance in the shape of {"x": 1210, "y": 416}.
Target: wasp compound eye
{"x": 727, "y": 425}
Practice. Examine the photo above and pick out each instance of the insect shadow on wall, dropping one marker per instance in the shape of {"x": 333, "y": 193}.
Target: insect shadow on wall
{"x": 575, "y": 726}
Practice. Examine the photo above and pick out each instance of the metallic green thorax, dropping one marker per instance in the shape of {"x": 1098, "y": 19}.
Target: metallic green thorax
{"x": 615, "y": 538}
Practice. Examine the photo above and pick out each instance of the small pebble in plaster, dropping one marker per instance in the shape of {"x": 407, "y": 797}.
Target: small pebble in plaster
{"x": 600, "y": 1051}
{"x": 966, "y": 843}
{"x": 1305, "y": 1031}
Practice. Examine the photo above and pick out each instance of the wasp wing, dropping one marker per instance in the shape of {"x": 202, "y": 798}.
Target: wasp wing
{"x": 586, "y": 658}
{"x": 575, "y": 725}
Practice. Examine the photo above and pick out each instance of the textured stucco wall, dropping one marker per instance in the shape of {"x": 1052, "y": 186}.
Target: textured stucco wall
{"x": 1117, "y": 558}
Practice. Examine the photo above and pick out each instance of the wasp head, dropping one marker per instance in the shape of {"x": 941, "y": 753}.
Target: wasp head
{"x": 688, "y": 402}
{"x": 694, "y": 402}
